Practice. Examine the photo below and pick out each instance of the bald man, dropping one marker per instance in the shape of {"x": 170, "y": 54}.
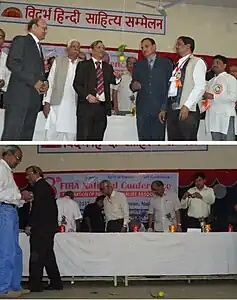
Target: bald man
{"x": 60, "y": 100}
{"x": 27, "y": 83}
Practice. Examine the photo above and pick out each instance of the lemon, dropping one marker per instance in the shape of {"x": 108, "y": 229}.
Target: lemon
{"x": 122, "y": 58}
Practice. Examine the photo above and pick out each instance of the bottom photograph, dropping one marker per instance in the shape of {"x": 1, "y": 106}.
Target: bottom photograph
{"x": 113, "y": 221}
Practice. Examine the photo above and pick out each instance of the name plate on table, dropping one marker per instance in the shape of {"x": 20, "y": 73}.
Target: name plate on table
{"x": 194, "y": 230}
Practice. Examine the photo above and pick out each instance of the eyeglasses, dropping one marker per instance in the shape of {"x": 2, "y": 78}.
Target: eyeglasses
{"x": 18, "y": 158}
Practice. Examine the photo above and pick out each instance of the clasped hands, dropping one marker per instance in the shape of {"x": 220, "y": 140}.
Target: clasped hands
{"x": 26, "y": 195}
{"x": 194, "y": 195}
{"x": 41, "y": 87}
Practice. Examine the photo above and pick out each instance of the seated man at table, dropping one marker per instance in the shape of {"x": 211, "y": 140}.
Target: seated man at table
{"x": 93, "y": 216}
{"x": 163, "y": 208}
{"x": 198, "y": 200}
{"x": 69, "y": 213}
{"x": 115, "y": 207}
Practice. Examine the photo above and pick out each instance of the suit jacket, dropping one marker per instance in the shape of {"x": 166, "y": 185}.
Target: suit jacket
{"x": 24, "y": 211}
{"x": 44, "y": 211}
{"x": 153, "y": 95}
{"x": 85, "y": 83}
{"x": 27, "y": 67}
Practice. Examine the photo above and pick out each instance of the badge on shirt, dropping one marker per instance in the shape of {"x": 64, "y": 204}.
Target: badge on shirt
{"x": 218, "y": 89}
{"x": 178, "y": 76}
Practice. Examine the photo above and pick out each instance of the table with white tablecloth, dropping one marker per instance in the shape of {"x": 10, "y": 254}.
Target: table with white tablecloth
{"x": 142, "y": 254}
{"x": 119, "y": 128}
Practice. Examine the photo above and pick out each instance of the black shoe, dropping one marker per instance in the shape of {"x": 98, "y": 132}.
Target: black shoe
{"x": 53, "y": 288}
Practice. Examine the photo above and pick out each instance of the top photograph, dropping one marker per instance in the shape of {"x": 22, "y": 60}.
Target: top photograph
{"x": 132, "y": 71}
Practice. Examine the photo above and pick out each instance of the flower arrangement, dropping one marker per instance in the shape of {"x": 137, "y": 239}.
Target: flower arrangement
{"x": 121, "y": 50}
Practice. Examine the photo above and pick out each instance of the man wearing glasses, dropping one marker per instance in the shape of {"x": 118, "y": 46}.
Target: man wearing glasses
{"x": 27, "y": 83}
{"x": 115, "y": 208}
{"x": 163, "y": 209}
{"x": 10, "y": 199}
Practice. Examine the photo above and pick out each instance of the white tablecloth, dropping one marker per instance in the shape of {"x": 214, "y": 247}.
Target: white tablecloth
{"x": 140, "y": 254}
{"x": 119, "y": 128}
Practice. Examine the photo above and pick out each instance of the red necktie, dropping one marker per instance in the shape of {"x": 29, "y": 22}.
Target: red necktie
{"x": 100, "y": 79}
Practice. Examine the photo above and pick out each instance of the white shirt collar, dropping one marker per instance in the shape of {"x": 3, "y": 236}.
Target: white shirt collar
{"x": 221, "y": 74}
{"x": 181, "y": 60}
{"x": 38, "y": 179}
{"x": 6, "y": 164}
{"x": 75, "y": 61}
{"x": 95, "y": 60}
{"x": 204, "y": 188}
{"x": 35, "y": 38}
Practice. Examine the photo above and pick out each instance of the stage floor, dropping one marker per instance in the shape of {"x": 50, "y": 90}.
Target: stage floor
{"x": 180, "y": 290}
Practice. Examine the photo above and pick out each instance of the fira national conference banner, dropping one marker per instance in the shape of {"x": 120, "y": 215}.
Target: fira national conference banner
{"x": 136, "y": 186}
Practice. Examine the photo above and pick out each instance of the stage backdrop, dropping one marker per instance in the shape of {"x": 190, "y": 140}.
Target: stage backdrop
{"x": 85, "y": 185}
{"x": 50, "y": 50}
{"x": 136, "y": 186}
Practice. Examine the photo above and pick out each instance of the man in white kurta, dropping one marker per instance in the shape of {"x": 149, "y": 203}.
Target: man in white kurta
{"x": 123, "y": 97}
{"x": 221, "y": 93}
{"x": 4, "y": 76}
{"x": 60, "y": 100}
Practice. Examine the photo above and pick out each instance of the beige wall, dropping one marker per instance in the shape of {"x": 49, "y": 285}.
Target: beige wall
{"x": 217, "y": 157}
{"x": 211, "y": 27}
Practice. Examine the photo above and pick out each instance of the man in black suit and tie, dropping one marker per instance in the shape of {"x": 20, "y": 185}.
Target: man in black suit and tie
{"x": 42, "y": 226}
{"x": 24, "y": 211}
{"x": 27, "y": 83}
{"x": 150, "y": 78}
{"x": 92, "y": 84}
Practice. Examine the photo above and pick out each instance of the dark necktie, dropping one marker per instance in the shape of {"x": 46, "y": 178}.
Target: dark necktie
{"x": 151, "y": 62}
{"x": 99, "y": 78}
{"x": 40, "y": 49}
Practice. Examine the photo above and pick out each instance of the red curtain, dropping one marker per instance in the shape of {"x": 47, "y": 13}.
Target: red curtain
{"x": 225, "y": 177}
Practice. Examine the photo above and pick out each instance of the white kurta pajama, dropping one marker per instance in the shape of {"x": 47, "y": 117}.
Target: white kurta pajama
{"x": 61, "y": 124}
{"x": 224, "y": 89}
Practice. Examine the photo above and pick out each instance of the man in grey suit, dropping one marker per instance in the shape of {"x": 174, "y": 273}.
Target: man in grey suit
{"x": 27, "y": 83}
{"x": 150, "y": 78}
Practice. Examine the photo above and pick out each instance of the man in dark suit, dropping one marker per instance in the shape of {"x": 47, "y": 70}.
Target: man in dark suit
{"x": 150, "y": 79}
{"x": 27, "y": 83}
{"x": 24, "y": 211}
{"x": 92, "y": 84}
{"x": 43, "y": 224}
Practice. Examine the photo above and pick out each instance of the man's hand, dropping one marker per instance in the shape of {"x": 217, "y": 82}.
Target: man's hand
{"x": 197, "y": 195}
{"x": 39, "y": 85}
{"x": 26, "y": 195}
{"x": 28, "y": 230}
{"x": 162, "y": 116}
{"x": 44, "y": 88}
{"x": 136, "y": 85}
{"x": 2, "y": 83}
{"x": 208, "y": 96}
{"x": 92, "y": 99}
{"x": 118, "y": 74}
{"x": 186, "y": 195}
{"x": 46, "y": 109}
{"x": 183, "y": 115}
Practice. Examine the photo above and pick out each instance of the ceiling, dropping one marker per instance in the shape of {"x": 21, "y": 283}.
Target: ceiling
{"x": 220, "y": 3}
